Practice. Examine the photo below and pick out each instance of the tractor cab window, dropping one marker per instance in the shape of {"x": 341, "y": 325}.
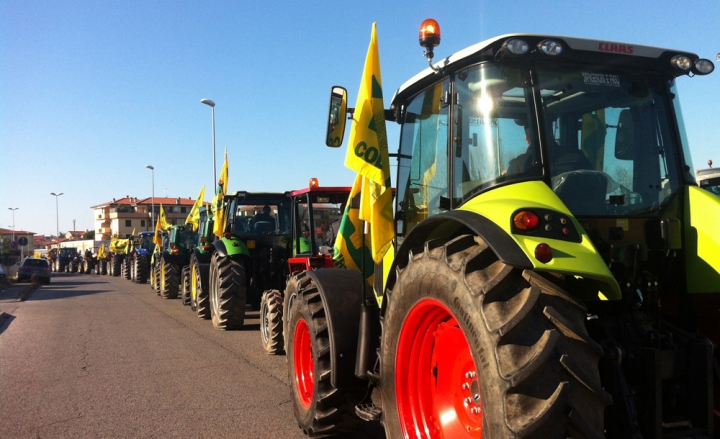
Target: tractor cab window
{"x": 188, "y": 238}
{"x": 261, "y": 217}
{"x": 495, "y": 130}
{"x": 303, "y": 233}
{"x": 608, "y": 141}
{"x": 422, "y": 187}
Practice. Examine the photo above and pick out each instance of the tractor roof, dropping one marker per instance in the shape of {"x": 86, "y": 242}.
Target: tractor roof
{"x": 591, "y": 51}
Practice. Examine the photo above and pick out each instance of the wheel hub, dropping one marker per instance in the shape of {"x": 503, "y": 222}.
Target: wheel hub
{"x": 437, "y": 385}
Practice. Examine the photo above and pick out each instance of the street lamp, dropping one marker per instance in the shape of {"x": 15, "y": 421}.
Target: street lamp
{"x": 57, "y": 219}
{"x": 152, "y": 214}
{"x": 13, "y": 226}
{"x": 212, "y": 105}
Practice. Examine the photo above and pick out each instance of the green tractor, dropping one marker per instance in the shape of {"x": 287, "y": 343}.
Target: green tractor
{"x": 195, "y": 282}
{"x": 557, "y": 268}
{"x": 316, "y": 214}
{"x": 173, "y": 258}
{"x": 251, "y": 256}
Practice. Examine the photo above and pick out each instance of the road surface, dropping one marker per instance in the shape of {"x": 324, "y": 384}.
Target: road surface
{"x": 99, "y": 356}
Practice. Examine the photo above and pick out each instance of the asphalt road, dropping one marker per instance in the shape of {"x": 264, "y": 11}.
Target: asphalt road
{"x": 98, "y": 356}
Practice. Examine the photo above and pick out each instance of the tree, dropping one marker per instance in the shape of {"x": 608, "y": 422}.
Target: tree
{"x": 90, "y": 234}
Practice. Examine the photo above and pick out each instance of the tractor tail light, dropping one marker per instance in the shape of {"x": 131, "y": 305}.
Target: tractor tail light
{"x": 175, "y": 250}
{"x": 227, "y": 235}
{"x": 543, "y": 253}
{"x": 206, "y": 247}
{"x": 526, "y": 220}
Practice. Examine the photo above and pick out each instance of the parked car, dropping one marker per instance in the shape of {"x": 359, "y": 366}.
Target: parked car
{"x": 36, "y": 266}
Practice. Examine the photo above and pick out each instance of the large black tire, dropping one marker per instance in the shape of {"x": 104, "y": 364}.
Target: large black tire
{"x": 271, "y": 322}
{"x": 125, "y": 268}
{"x": 169, "y": 279}
{"x": 102, "y": 266}
{"x": 132, "y": 265}
{"x": 517, "y": 341}
{"x": 115, "y": 266}
{"x": 199, "y": 290}
{"x": 321, "y": 409}
{"x": 141, "y": 269}
{"x": 185, "y": 285}
{"x": 294, "y": 284}
{"x": 155, "y": 278}
{"x": 73, "y": 266}
{"x": 228, "y": 292}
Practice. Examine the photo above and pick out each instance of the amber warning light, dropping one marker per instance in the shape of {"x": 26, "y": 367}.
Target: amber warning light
{"x": 429, "y": 34}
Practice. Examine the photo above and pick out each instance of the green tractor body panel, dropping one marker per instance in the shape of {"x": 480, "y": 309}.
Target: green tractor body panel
{"x": 702, "y": 244}
{"x": 235, "y": 246}
{"x": 575, "y": 258}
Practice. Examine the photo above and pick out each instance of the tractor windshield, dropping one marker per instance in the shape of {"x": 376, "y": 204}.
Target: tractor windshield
{"x": 609, "y": 142}
{"x": 602, "y": 138}
{"x": 68, "y": 252}
{"x": 260, "y": 217}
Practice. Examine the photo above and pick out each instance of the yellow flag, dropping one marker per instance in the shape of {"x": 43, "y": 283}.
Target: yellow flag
{"x": 162, "y": 224}
{"x": 348, "y": 251}
{"x": 134, "y": 231}
{"x": 194, "y": 215}
{"x": 217, "y": 206}
{"x": 367, "y": 154}
{"x": 101, "y": 252}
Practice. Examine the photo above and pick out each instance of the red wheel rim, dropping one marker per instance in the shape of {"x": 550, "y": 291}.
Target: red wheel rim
{"x": 304, "y": 364}
{"x": 436, "y": 382}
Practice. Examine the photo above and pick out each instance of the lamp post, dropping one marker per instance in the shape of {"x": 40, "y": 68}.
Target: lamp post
{"x": 13, "y": 225}
{"x": 212, "y": 105}
{"x": 152, "y": 213}
{"x": 57, "y": 219}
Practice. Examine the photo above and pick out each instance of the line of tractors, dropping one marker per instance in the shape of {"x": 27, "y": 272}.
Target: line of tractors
{"x": 555, "y": 270}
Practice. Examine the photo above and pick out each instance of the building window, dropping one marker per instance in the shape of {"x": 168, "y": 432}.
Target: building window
{"x": 142, "y": 223}
{"x": 182, "y": 210}
{"x": 128, "y": 223}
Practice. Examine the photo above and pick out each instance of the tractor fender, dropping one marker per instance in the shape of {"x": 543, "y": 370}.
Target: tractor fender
{"x": 455, "y": 223}
{"x": 342, "y": 295}
{"x": 231, "y": 247}
{"x": 202, "y": 257}
{"x": 171, "y": 258}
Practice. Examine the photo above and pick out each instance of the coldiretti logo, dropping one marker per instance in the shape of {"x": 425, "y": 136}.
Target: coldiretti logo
{"x": 370, "y": 154}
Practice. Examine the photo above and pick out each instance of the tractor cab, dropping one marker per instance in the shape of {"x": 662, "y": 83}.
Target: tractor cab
{"x": 317, "y": 212}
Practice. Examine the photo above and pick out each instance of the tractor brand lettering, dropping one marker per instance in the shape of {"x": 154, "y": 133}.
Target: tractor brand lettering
{"x": 616, "y": 48}
{"x": 370, "y": 154}
{"x": 466, "y": 318}
{"x": 601, "y": 79}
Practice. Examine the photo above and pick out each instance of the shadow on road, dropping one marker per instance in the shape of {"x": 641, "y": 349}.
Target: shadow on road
{"x": 5, "y": 320}
{"x": 54, "y": 293}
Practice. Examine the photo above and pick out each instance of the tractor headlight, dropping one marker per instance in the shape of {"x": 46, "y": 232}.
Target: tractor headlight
{"x": 704, "y": 66}
{"x": 515, "y": 46}
{"x": 681, "y": 62}
{"x": 550, "y": 47}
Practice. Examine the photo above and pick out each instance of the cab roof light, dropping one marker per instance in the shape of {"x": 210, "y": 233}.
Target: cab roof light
{"x": 681, "y": 62}
{"x": 550, "y": 47}
{"x": 429, "y": 38}
{"x": 526, "y": 220}
{"x": 314, "y": 182}
{"x": 703, "y": 67}
{"x": 429, "y": 34}
{"x": 515, "y": 46}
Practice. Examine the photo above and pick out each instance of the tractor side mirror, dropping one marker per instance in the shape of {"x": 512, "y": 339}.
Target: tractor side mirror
{"x": 336, "y": 117}
{"x": 625, "y": 136}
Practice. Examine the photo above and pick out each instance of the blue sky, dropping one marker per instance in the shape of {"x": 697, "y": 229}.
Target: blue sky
{"x": 93, "y": 91}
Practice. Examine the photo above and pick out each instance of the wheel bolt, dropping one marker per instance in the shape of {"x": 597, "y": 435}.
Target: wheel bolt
{"x": 470, "y": 374}
{"x": 475, "y": 410}
{"x": 466, "y": 386}
{"x": 467, "y": 401}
